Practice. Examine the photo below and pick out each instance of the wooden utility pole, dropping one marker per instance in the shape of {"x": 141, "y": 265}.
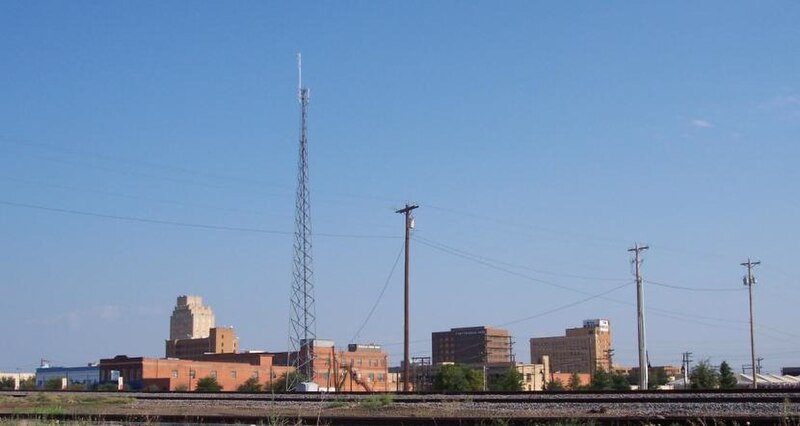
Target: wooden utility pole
{"x": 749, "y": 281}
{"x": 643, "y": 372}
{"x": 409, "y": 224}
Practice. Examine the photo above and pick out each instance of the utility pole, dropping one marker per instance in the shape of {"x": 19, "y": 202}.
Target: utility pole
{"x": 749, "y": 281}
{"x": 643, "y": 373}
{"x": 406, "y": 211}
{"x": 687, "y": 358}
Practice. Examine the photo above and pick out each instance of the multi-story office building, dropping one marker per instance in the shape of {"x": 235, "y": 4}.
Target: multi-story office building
{"x": 580, "y": 350}
{"x": 471, "y": 345}
{"x": 190, "y": 319}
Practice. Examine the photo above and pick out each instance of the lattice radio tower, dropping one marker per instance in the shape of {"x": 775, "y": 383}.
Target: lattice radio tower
{"x": 303, "y": 322}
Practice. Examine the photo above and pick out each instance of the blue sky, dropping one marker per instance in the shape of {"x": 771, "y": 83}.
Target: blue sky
{"x": 540, "y": 139}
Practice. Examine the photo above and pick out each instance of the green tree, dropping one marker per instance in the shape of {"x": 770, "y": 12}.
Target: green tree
{"x": 727, "y": 380}
{"x": 555, "y": 385}
{"x": 53, "y": 384}
{"x": 601, "y": 380}
{"x": 7, "y": 383}
{"x": 619, "y": 382}
{"x": 656, "y": 378}
{"x": 250, "y": 385}
{"x": 704, "y": 376}
{"x": 28, "y": 384}
{"x": 457, "y": 378}
{"x": 279, "y": 385}
{"x": 574, "y": 382}
{"x": 208, "y": 384}
{"x": 510, "y": 381}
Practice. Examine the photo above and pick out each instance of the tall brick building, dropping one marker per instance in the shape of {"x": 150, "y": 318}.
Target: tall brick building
{"x": 580, "y": 350}
{"x": 220, "y": 340}
{"x": 471, "y": 345}
{"x": 190, "y": 319}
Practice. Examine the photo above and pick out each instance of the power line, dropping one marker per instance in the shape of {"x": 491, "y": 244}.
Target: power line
{"x": 513, "y": 265}
{"x": 380, "y": 296}
{"x": 677, "y": 287}
{"x": 568, "y": 305}
{"x": 185, "y": 224}
{"x": 131, "y": 197}
{"x": 671, "y": 314}
{"x": 499, "y": 268}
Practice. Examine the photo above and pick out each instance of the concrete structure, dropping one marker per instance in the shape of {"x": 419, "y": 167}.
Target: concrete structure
{"x": 580, "y": 350}
{"x": 471, "y": 345}
{"x": 86, "y": 377}
{"x": 220, "y": 340}
{"x": 190, "y": 319}
{"x": 230, "y": 370}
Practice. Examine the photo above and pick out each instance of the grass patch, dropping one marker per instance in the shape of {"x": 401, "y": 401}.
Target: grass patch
{"x": 337, "y": 403}
{"x": 373, "y": 402}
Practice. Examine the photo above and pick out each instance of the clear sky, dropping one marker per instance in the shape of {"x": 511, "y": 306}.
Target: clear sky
{"x": 540, "y": 139}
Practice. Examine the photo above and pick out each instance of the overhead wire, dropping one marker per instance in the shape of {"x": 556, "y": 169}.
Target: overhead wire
{"x": 489, "y": 264}
{"x": 380, "y": 296}
{"x": 654, "y": 311}
{"x": 513, "y": 265}
{"x": 677, "y": 287}
{"x": 186, "y": 224}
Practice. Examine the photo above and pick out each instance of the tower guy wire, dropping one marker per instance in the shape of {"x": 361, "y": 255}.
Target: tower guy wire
{"x": 749, "y": 281}
{"x": 302, "y": 332}
{"x": 643, "y": 371}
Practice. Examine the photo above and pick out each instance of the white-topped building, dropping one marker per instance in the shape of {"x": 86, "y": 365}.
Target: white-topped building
{"x": 190, "y": 319}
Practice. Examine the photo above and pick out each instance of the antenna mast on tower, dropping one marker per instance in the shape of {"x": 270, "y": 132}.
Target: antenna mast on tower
{"x": 302, "y": 330}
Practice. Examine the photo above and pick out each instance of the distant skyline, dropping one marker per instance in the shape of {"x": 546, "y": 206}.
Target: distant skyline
{"x": 149, "y": 150}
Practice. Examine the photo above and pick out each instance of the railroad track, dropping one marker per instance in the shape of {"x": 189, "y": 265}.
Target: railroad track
{"x": 761, "y": 395}
{"x": 769, "y": 406}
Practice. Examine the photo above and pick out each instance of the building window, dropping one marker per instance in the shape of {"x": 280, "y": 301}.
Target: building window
{"x": 191, "y": 373}
{"x": 213, "y": 374}
{"x": 380, "y": 377}
{"x": 233, "y": 374}
{"x": 371, "y": 377}
{"x": 254, "y": 375}
{"x": 174, "y": 374}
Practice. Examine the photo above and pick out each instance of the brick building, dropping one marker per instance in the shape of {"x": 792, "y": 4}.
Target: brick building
{"x": 471, "y": 345}
{"x": 230, "y": 370}
{"x": 580, "y": 350}
{"x": 190, "y": 319}
{"x": 534, "y": 376}
{"x": 357, "y": 369}
{"x": 219, "y": 340}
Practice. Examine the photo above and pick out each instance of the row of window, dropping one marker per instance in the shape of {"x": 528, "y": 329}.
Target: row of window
{"x": 359, "y": 362}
